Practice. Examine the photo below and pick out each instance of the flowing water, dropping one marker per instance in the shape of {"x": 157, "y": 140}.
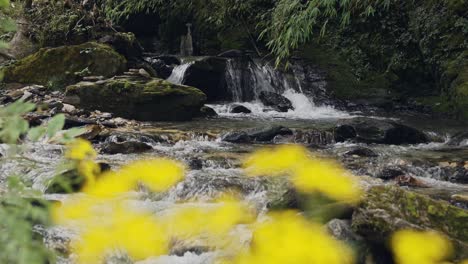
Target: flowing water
{"x": 215, "y": 165}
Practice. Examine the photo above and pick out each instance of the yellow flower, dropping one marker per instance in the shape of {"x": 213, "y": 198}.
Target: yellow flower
{"x": 89, "y": 169}
{"x": 289, "y": 238}
{"x": 307, "y": 174}
{"x": 137, "y": 234}
{"x": 80, "y": 149}
{"x": 276, "y": 161}
{"x": 411, "y": 247}
{"x": 214, "y": 220}
{"x": 157, "y": 174}
{"x": 328, "y": 178}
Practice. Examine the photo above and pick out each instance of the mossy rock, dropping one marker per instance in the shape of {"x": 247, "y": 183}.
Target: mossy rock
{"x": 141, "y": 99}
{"x": 387, "y": 209}
{"x": 61, "y": 66}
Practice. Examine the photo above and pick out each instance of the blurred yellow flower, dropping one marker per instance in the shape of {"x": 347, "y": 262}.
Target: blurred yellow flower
{"x": 80, "y": 149}
{"x": 214, "y": 220}
{"x": 307, "y": 174}
{"x": 275, "y": 161}
{"x": 289, "y": 238}
{"x": 411, "y": 247}
{"x": 328, "y": 178}
{"x": 137, "y": 234}
{"x": 157, "y": 174}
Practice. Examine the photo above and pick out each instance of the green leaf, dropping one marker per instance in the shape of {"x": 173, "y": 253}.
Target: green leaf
{"x": 72, "y": 133}
{"x": 12, "y": 129}
{"x": 17, "y": 108}
{"x": 55, "y": 125}
{"x": 4, "y": 3}
{"x": 36, "y": 133}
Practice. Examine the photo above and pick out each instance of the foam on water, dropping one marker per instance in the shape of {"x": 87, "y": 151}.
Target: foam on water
{"x": 304, "y": 108}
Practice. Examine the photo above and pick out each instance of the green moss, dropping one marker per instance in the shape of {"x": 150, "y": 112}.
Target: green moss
{"x": 152, "y": 100}
{"x": 58, "y": 67}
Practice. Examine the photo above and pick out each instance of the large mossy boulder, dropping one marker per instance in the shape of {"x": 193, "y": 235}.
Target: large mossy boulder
{"x": 61, "y": 66}
{"x": 148, "y": 99}
{"x": 208, "y": 75}
{"x": 387, "y": 209}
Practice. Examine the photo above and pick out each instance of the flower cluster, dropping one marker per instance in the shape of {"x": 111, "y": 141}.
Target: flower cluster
{"x": 107, "y": 223}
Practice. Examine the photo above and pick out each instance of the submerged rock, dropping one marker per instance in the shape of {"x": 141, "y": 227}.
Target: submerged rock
{"x": 128, "y": 143}
{"x": 276, "y": 101}
{"x": 147, "y": 99}
{"x": 379, "y": 131}
{"x": 386, "y": 209}
{"x": 58, "y": 67}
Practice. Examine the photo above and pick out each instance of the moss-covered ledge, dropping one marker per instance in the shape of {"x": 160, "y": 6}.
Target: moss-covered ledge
{"x": 61, "y": 66}
{"x": 138, "y": 98}
{"x": 387, "y": 209}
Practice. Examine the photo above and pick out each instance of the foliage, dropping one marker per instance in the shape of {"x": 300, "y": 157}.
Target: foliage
{"x": 6, "y": 24}
{"x": 20, "y": 210}
{"x": 54, "y": 23}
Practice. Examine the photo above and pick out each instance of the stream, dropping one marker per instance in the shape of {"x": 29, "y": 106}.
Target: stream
{"x": 215, "y": 164}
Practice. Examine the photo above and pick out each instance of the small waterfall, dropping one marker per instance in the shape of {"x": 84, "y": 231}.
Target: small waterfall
{"x": 178, "y": 73}
{"x": 247, "y": 79}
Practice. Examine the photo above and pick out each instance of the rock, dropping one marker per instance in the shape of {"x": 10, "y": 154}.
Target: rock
{"x": 124, "y": 43}
{"x": 236, "y": 137}
{"x": 90, "y": 132}
{"x": 232, "y": 54}
{"x": 206, "y": 111}
{"x": 144, "y": 73}
{"x": 93, "y": 78}
{"x": 390, "y": 173}
{"x": 341, "y": 230}
{"x": 143, "y": 100}
{"x": 195, "y": 164}
{"x": 162, "y": 69}
{"x": 208, "y": 75}
{"x": 276, "y": 101}
{"x": 264, "y": 134}
{"x": 239, "y": 109}
{"x": 56, "y": 67}
{"x": 344, "y": 132}
{"x": 73, "y": 121}
{"x": 361, "y": 152}
{"x": 460, "y": 139}
{"x": 69, "y": 109}
{"x": 406, "y": 180}
{"x": 127, "y": 147}
{"x": 386, "y": 209}
{"x": 378, "y": 131}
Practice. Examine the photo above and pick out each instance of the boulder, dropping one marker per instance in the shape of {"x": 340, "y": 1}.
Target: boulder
{"x": 368, "y": 130}
{"x": 147, "y": 99}
{"x": 162, "y": 69}
{"x": 208, "y": 75}
{"x": 61, "y": 66}
{"x": 276, "y": 101}
{"x": 236, "y": 137}
{"x": 239, "y": 109}
{"x": 206, "y": 111}
{"x": 387, "y": 209}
